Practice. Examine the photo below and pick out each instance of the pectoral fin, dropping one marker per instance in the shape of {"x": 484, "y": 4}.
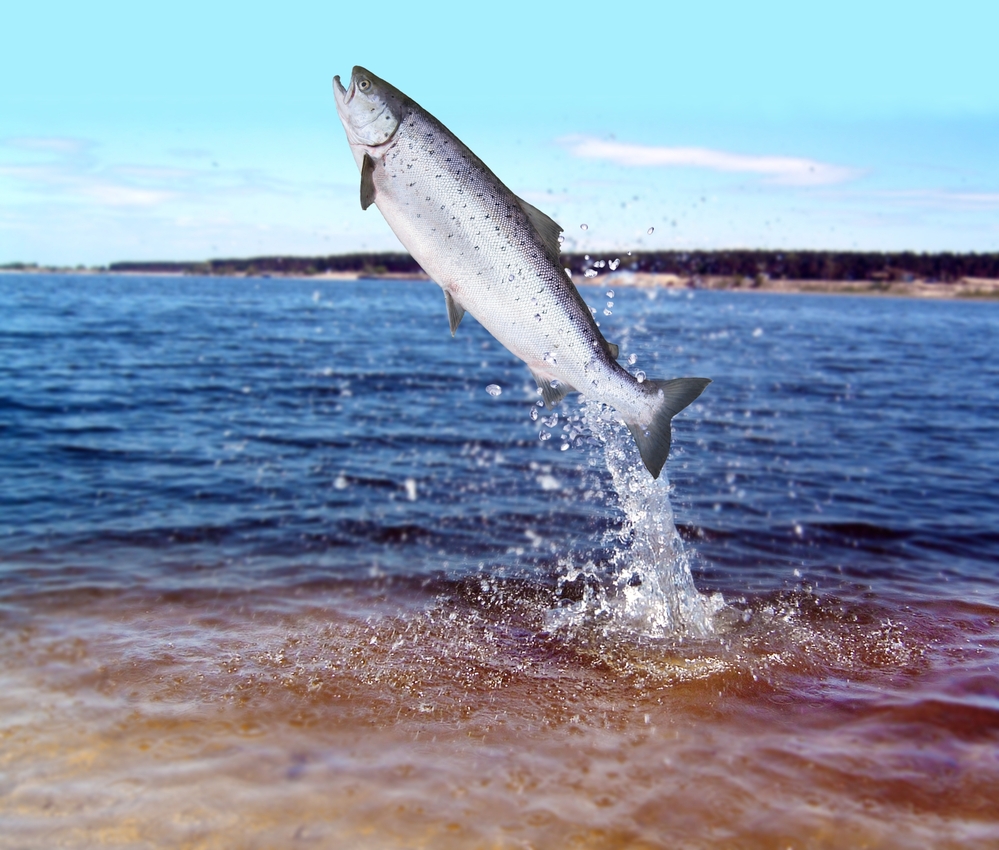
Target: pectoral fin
{"x": 455, "y": 312}
{"x": 367, "y": 182}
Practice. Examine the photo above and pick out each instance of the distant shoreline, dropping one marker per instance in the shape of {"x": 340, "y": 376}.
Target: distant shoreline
{"x": 940, "y": 275}
{"x": 968, "y": 287}
{"x": 964, "y": 288}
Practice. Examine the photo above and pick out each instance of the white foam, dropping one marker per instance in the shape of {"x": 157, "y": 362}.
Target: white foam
{"x": 653, "y": 590}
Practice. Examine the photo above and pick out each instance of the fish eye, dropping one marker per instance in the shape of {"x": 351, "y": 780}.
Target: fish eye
{"x": 364, "y": 85}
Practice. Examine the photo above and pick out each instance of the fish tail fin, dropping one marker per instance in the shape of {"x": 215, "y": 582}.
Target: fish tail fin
{"x": 654, "y": 439}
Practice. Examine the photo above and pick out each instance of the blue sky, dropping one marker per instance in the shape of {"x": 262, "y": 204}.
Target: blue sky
{"x": 195, "y": 130}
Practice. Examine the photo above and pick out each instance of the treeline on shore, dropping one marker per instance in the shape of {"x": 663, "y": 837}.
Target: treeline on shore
{"x": 777, "y": 265}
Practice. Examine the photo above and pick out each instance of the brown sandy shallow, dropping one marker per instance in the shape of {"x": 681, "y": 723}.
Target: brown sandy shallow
{"x": 368, "y": 718}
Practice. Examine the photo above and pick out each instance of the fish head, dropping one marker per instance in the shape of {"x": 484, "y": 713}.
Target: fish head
{"x": 369, "y": 108}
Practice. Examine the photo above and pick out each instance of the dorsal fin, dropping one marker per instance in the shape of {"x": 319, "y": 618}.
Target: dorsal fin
{"x": 548, "y": 229}
{"x": 367, "y": 183}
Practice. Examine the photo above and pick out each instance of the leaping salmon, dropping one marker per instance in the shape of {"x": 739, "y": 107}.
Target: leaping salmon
{"x": 495, "y": 256}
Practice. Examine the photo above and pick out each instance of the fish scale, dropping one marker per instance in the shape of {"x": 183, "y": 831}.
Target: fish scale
{"x": 495, "y": 256}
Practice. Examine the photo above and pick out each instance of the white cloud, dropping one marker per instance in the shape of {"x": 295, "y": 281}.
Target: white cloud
{"x": 793, "y": 171}
{"x": 944, "y": 198}
{"x": 71, "y": 171}
{"x": 46, "y": 144}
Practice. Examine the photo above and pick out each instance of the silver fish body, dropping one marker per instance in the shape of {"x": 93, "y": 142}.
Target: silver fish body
{"x": 496, "y": 257}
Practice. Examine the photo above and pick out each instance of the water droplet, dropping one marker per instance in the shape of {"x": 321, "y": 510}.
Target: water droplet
{"x": 561, "y": 239}
{"x": 534, "y": 414}
{"x": 554, "y": 382}
{"x": 564, "y": 447}
{"x": 632, "y": 359}
{"x": 544, "y": 436}
{"x": 650, "y": 231}
{"x": 610, "y": 293}
{"x": 608, "y": 312}
{"x": 639, "y": 376}
{"x": 494, "y": 389}
{"x": 584, "y": 227}
{"x": 758, "y": 332}
{"x": 613, "y": 264}
{"x": 569, "y": 272}
{"x": 341, "y": 482}
{"x": 512, "y": 277}
{"x": 410, "y": 485}
{"x": 551, "y": 421}
{"x": 590, "y": 273}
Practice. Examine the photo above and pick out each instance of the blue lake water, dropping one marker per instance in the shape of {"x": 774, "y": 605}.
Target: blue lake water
{"x": 270, "y": 545}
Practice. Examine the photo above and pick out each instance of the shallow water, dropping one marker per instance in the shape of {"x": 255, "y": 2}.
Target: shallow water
{"x": 278, "y": 571}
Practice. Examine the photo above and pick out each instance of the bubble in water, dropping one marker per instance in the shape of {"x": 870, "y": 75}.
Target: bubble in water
{"x": 584, "y": 227}
{"x": 632, "y": 359}
{"x": 590, "y": 273}
{"x": 544, "y": 436}
{"x": 341, "y": 482}
{"x": 494, "y": 389}
{"x": 650, "y": 231}
{"x": 639, "y": 376}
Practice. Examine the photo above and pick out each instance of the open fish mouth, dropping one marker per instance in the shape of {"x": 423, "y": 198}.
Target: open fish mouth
{"x": 344, "y": 95}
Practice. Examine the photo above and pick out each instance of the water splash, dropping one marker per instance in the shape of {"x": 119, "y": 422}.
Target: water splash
{"x": 651, "y": 592}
